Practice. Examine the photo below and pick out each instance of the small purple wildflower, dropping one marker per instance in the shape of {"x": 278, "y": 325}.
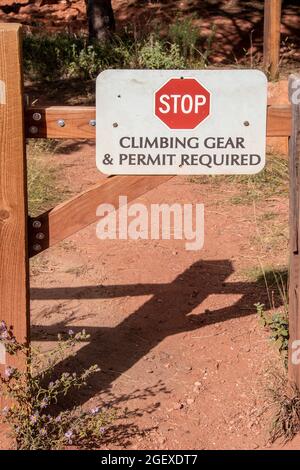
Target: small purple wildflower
{"x": 3, "y": 326}
{"x": 94, "y": 411}
{"x": 44, "y": 403}
{"x": 4, "y": 334}
{"x": 34, "y": 418}
{"x": 102, "y": 430}
{"x": 69, "y": 435}
{"x": 9, "y": 371}
{"x": 70, "y": 332}
{"x": 5, "y": 410}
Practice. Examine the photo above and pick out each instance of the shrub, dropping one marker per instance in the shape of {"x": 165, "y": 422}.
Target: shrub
{"x": 155, "y": 55}
{"x": 64, "y": 56}
{"x": 35, "y": 416}
{"x": 185, "y": 36}
{"x": 278, "y": 325}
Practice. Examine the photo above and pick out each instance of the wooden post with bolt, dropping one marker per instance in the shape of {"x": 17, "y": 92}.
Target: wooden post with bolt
{"x": 272, "y": 21}
{"x": 14, "y": 279}
{"x": 294, "y": 274}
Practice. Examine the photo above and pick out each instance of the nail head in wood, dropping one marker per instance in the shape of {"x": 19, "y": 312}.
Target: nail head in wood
{"x": 36, "y": 224}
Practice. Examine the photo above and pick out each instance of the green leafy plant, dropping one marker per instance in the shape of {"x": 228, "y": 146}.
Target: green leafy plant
{"x": 185, "y": 35}
{"x": 85, "y": 62}
{"x": 70, "y": 56}
{"x": 62, "y": 56}
{"x": 34, "y": 413}
{"x": 277, "y": 324}
{"x": 155, "y": 55}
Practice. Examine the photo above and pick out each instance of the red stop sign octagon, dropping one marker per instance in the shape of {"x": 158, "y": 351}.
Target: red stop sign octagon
{"x": 182, "y": 103}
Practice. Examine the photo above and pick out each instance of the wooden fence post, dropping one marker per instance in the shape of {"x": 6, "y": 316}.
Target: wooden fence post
{"x": 272, "y": 21}
{"x": 14, "y": 283}
{"x": 294, "y": 269}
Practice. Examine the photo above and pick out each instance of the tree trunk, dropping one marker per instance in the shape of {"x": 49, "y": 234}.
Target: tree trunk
{"x": 101, "y": 19}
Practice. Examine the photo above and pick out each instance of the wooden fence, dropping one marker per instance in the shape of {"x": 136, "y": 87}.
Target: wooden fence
{"x": 22, "y": 236}
{"x": 272, "y": 22}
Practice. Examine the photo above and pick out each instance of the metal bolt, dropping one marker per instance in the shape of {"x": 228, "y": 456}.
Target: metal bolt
{"x": 40, "y": 236}
{"x": 37, "y": 247}
{"x": 61, "y": 123}
{"x": 115, "y": 124}
{"x": 246, "y": 123}
{"x": 92, "y": 122}
{"x": 36, "y": 224}
{"x": 36, "y": 116}
{"x": 33, "y": 130}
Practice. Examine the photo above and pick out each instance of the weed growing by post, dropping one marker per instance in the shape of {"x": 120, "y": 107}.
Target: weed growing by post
{"x": 285, "y": 398}
{"x": 34, "y": 411}
{"x": 278, "y": 321}
{"x": 278, "y": 325}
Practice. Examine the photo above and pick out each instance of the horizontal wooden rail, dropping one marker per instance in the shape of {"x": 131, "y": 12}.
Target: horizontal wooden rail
{"x": 279, "y": 121}
{"x": 80, "y": 211}
{"x": 78, "y": 122}
{"x": 61, "y": 122}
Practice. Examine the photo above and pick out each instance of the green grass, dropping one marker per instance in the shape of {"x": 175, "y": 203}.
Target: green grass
{"x": 64, "y": 56}
{"x": 268, "y": 275}
{"x": 271, "y": 182}
{"x": 266, "y": 217}
{"x": 275, "y": 281}
{"x": 276, "y": 318}
{"x": 272, "y": 235}
{"x": 277, "y": 325}
{"x": 44, "y": 190}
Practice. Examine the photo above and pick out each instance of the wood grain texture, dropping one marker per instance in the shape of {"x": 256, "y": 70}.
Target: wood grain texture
{"x": 14, "y": 287}
{"x": 272, "y": 22}
{"x": 77, "y": 122}
{"x": 294, "y": 274}
{"x": 279, "y": 121}
{"x": 294, "y": 216}
{"x": 47, "y": 122}
{"x": 80, "y": 211}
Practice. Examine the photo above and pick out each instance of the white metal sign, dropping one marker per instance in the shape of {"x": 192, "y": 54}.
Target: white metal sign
{"x": 181, "y": 122}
